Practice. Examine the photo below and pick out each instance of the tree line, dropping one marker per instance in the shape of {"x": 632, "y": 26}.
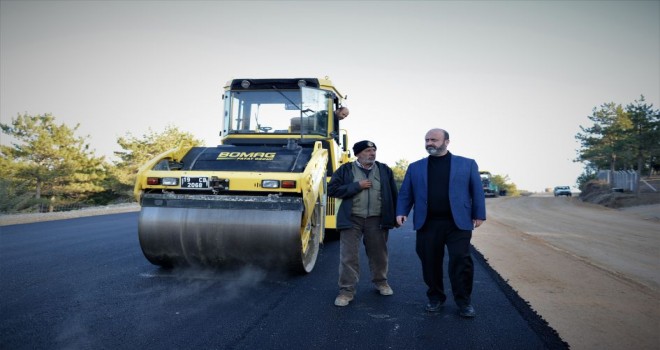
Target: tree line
{"x": 47, "y": 167}
{"x": 620, "y": 138}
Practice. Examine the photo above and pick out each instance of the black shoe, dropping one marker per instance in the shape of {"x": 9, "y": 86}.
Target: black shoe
{"x": 434, "y": 306}
{"x": 467, "y": 311}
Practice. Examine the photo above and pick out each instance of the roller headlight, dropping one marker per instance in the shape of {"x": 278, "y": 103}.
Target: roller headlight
{"x": 270, "y": 183}
{"x": 170, "y": 181}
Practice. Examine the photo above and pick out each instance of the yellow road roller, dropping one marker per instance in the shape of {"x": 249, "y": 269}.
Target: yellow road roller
{"x": 258, "y": 198}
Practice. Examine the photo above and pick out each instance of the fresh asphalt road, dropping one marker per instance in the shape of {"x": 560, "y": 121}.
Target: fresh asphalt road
{"x": 84, "y": 284}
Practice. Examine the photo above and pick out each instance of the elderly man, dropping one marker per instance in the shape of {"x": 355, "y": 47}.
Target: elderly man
{"x": 368, "y": 196}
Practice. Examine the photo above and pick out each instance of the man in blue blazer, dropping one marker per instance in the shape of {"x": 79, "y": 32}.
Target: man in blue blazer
{"x": 448, "y": 199}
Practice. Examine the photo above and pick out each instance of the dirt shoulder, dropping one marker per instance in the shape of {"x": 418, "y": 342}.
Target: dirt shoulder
{"x": 588, "y": 270}
{"x": 600, "y": 193}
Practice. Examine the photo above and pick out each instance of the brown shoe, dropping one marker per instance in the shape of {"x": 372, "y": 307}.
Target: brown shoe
{"x": 384, "y": 289}
{"x": 343, "y": 299}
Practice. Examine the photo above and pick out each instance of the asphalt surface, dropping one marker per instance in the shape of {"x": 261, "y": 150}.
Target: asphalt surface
{"x": 84, "y": 284}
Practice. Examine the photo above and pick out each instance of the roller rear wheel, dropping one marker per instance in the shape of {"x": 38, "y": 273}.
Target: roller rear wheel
{"x": 309, "y": 254}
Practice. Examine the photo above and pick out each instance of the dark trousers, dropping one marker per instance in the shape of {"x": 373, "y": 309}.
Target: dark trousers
{"x": 430, "y": 246}
{"x": 375, "y": 243}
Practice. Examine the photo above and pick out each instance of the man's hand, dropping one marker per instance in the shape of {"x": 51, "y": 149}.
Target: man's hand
{"x": 401, "y": 219}
{"x": 476, "y": 223}
{"x": 364, "y": 184}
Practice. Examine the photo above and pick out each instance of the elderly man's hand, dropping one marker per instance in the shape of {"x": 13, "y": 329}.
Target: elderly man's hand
{"x": 364, "y": 184}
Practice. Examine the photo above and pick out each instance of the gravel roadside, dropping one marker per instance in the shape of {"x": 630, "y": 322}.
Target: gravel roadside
{"x": 15, "y": 219}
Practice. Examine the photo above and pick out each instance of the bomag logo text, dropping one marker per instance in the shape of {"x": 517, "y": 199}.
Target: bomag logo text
{"x": 246, "y": 156}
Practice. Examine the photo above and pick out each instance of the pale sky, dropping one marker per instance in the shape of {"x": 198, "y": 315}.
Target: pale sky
{"x": 511, "y": 81}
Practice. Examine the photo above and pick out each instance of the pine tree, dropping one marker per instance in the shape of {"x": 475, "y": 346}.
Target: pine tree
{"x": 604, "y": 144}
{"x": 48, "y": 161}
{"x": 138, "y": 151}
{"x": 644, "y": 134}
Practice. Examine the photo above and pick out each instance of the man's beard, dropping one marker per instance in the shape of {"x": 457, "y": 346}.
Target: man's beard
{"x": 434, "y": 151}
{"x": 367, "y": 161}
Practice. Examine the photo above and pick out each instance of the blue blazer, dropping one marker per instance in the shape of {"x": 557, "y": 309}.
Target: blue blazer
{"x": 466, "y": 193}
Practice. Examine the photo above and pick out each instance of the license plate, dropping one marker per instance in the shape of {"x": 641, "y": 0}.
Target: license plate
{"x": 194, "y": 182}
